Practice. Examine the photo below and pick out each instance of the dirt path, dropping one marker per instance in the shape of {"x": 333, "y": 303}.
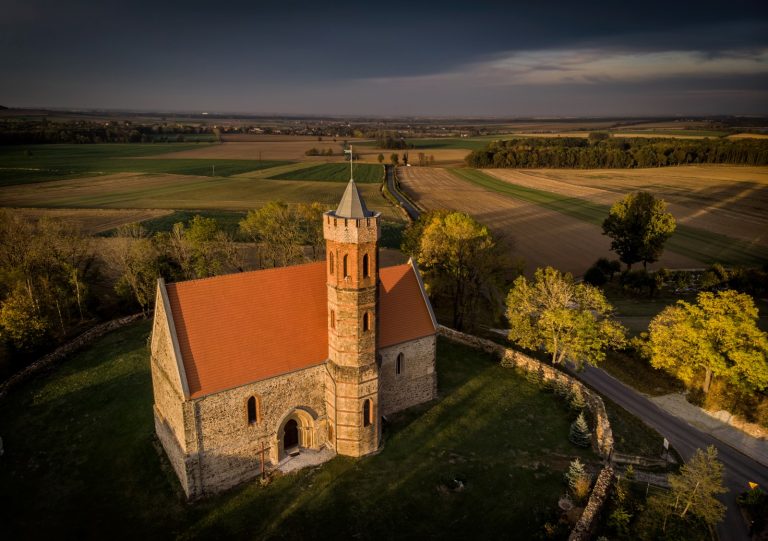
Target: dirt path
{"x": 541, "y": 236}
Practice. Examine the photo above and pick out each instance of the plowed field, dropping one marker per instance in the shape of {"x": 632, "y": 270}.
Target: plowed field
{"x": 541, "y": 236}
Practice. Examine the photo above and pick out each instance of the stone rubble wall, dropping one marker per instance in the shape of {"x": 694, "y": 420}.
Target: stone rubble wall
{"x": 63, "y": 351}
{"x": 417, "y": 381}
{"x": 603, "y": 436}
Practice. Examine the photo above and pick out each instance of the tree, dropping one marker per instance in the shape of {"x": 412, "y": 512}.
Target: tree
{"x": 716, "y": 337}
{"x": 276, "y": 228}
{"x": 695, "y": 488}
{"x": 138, "y": 259}
{"x": 569, "y": 321}
{"x": 21, "y": 324}
{"x": 201, "y": 249}
{"x": 380, "y": 157}
{"x": 394, "y": 158}
{"x": 579, "y": 433}
{"x": 462, "y": 262}
{"x": 639, "y": 226}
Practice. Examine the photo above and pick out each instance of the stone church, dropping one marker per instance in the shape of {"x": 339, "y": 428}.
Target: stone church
{"x": 290, "y": 360}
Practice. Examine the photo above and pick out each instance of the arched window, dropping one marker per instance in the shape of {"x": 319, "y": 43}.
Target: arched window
{"x": 367, "y": 412}
{"x": 346, "y": 258}
{"x": 365, "y": 266}
{"x": 330, "y": 262}
{"x": 333, "y": 319}
{"x": 366, "y": 322}
{"x": 399, "y": 364}
{"x": 254, "y": 410}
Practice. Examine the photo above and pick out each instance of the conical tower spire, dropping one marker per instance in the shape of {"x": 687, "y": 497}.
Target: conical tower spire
{"x": 351, "y": 204}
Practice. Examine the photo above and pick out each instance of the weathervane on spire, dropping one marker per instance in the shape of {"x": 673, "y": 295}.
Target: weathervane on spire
{"x": 351, "y": 157}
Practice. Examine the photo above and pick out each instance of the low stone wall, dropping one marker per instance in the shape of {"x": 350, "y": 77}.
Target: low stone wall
{"x": 594, "y": 505}
{"x": 63, "y": 351}
{"x": 602, "y": 433}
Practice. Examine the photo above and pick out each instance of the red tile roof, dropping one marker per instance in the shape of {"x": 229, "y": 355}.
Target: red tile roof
{"x": 403, "y": 314}
{"x": 240, "y": 328}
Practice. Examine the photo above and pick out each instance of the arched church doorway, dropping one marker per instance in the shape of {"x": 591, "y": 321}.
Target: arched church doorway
{"x": 291, "y": 437}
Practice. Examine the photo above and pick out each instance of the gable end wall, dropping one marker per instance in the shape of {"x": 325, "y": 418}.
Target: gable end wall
{"x": 417, "y": 382}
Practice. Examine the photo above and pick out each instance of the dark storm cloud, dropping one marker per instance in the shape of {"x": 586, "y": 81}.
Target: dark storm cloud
{"x": 254, "y": 55}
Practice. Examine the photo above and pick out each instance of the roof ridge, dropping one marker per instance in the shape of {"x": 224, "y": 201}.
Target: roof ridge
{"x": 243, "y": 273}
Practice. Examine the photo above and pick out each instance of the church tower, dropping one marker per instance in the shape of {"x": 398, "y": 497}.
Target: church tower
{"x": 352, "y": 388}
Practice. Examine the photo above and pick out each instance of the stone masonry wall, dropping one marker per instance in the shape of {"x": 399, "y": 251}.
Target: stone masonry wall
{"x": 417, "y": 381}
{"x": 229, "y": 447}
{"x": 603, "y": 434}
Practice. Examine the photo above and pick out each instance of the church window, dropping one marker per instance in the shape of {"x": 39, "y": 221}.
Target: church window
{"x": 330, "y": 262}
{"x": 333, "y": 319}
{"x": 254, "y": 410}
{"x": 366, "y": 322}
{"x": 367, "y": 412}
{"x": 399, "y": 364}
{"x": 346, "y": 259}
{"x": 365, "y": 266}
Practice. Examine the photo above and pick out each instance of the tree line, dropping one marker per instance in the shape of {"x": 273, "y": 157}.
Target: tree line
{"x": 24, "y": 132}
{"x": 619, "y": 153}
{"x": 54, "y": 280}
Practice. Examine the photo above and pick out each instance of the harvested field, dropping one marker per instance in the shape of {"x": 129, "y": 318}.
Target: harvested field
{"x": 93, "y": 221}
{"x": 748, "y": 136}
{"x": 539, "y": 235}
{"x": 157, "y": 191}
{"x": 731, "y": 201}
{"x": 292, "y": 150}
{"x": 442, "y": 156}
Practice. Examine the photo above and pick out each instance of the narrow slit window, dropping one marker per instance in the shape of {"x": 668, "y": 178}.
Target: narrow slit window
{"x": 254, "y": 409}
{"x": 399, "y": 364}
{"x": 365, "y": 266}
{"x": 330, "y": 262}
{"x": 333, "y": 319}
{"x": 367, "y": 412}
{"x": 346, "y": 258}
{"x": 366, "y": 322}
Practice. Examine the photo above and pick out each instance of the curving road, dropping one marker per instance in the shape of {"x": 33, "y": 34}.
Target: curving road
{"x": 739, "y": 468}
{"x": 409, "y": 208}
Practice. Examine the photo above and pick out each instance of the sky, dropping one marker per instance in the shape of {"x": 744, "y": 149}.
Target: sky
{"x": 504, "y": 59}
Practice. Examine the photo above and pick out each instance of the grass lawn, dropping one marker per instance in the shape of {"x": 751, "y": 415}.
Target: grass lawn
{"x": 336, "y": 172}
{"x": 705, "y": 246}
{"x": 41, "y": 163}
{"x": 81, "y": 461}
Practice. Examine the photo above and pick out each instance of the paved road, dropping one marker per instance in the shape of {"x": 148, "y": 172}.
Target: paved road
{"x": 739, "y": 468}
{"x": 409, "y": 208}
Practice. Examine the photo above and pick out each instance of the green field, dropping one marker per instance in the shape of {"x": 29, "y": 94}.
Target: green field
{"x": 705, "y": 246}
{"x": 81, "y": 461}
{"x": 228, "y": 221}
{"x": 336, "y": 172}
{"x": 41, "y": 163}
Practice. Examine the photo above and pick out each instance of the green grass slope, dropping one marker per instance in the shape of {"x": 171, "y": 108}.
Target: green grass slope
{"x": 81, "y": 461}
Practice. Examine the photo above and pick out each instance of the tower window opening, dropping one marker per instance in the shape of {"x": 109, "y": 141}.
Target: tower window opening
{"x": 366, "y": 322}
{"x": 399, "y": 364}
{"x": 367, "y": 412}
{"x": 331, "y": 262}
{"x": 333, "y": 319}
{"x": 365, "y": 266}
{"x": 346, "y": 260}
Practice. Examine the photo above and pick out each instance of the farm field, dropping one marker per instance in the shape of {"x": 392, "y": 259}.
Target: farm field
{"x": 732, "y": 201}
{"x": 93, "y": 221}
{"x": 160, "y": 191}
{"x": 704, "y": 246}
{"x": 335, "y": 172}
{"x": 293, "y": 149}
{"x": 42, "y": 163}
{"x": 71, "y": 435}
{"x": 541, "y": 236}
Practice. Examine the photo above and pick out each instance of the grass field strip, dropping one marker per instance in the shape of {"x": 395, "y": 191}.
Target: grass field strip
{"x": 705, "y": 246}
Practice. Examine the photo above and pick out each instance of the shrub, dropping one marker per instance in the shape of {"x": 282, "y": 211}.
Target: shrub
{"x": 595, "y": 277}
{"x": 577, "y": 399}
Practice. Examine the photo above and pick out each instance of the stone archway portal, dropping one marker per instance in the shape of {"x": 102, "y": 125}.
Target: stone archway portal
{"x": 291, "y": 437}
